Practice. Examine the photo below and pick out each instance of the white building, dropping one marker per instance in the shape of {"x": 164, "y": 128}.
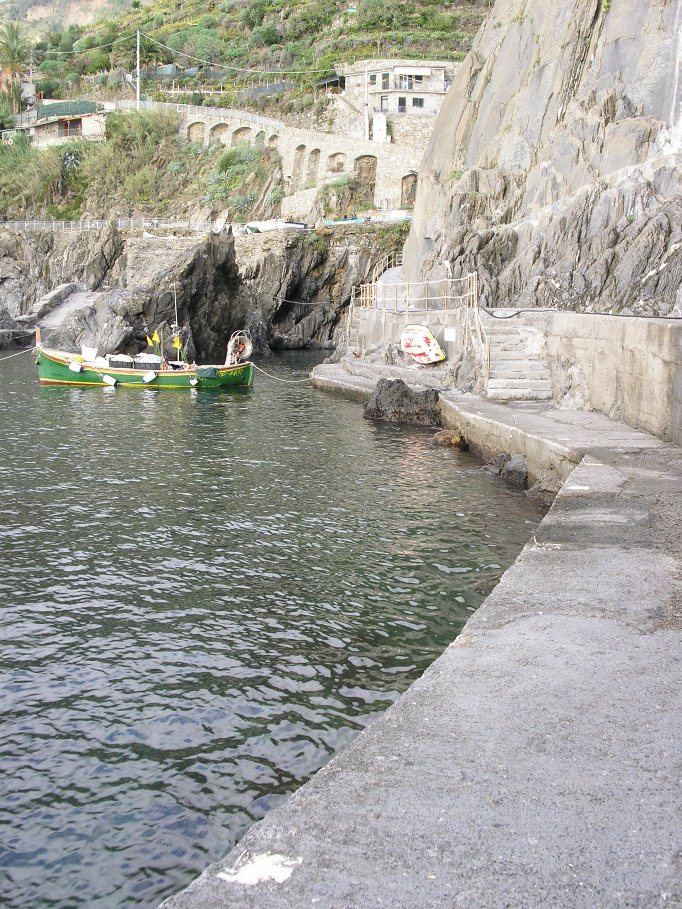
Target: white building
{"x": 410, "y": 87}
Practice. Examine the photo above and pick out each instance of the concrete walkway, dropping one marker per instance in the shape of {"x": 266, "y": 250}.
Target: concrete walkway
{"x": 536, "y": 763}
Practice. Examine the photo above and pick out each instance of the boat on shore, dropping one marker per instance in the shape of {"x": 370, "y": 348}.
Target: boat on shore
{"x": 57, "y": 367}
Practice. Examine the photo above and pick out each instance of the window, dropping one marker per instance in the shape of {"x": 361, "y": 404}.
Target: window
{"x": 407, "y": 82}
{"x": 402, "y": 105}
{"x": 417, "y": 102}
{"x": 67, "y": 128}
{"x": 384, "y": 80}
{"x": 384, "y": 102}
{"x": 373, "y": 79}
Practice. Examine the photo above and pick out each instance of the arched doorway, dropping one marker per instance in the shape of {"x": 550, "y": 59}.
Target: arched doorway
{"x": 220, "y": 133}
{"x": 195, "y": 132}
{"x": 366, "y": 174}
{"x": 408, "y": 191}
{"x": 242, "y": 136}
{"x": 313, "y": 166}
{"x": 336, "y": 163}
{"x": 297, "y": 170}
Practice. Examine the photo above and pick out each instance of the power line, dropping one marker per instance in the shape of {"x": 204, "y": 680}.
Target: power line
{"x": 237, "y": 69}
{"x": 86, "y": 50}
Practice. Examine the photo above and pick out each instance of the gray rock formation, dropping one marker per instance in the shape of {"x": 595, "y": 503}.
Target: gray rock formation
{"x": 554, "y": 167}
{"x": 291, "y": 289}
{"x": 395, "y": 402}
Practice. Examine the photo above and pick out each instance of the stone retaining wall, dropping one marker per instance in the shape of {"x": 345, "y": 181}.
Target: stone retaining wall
{"x": 626, "y": 367}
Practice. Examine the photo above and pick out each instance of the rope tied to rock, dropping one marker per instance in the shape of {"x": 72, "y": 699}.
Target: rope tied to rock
{"x": 277, "y": 378}
{"x": 25, "y": 350}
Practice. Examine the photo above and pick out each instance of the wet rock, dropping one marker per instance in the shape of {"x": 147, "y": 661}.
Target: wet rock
{"x": 395, "y": 402}
{"x": 450, "y": 437}
{"x": 546, "y": 486}
{"x": 515, "y": 470}
{"x": 12, "y": 334}
{"x": 497, "y": 464}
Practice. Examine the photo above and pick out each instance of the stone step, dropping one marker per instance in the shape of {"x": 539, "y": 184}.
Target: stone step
{"x": 531, "y": 375}
{"x": 526, "y": 365}
{"x": 519, "y": 388}
{"x": 519, "y": 394}
{"x": 517, "y": 362}
{"x": 516, "y": 346}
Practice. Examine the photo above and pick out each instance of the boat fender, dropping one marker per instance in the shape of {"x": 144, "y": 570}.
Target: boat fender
{"x": 193, "y": 381}
{"x": 109, "y": 380}
{"x": 75, "y": 367}
{"x": 149, "y": 376}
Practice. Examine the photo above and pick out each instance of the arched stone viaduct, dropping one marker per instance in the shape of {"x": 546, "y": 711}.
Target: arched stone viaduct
{"x": 311, "y": 158}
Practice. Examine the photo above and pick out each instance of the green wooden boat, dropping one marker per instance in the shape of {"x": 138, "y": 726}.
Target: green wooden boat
{"x": 56, "y": 367}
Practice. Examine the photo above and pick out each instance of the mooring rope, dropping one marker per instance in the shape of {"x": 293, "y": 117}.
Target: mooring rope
{"x": 25, "y": 350}
{"x": 277, "y": 378}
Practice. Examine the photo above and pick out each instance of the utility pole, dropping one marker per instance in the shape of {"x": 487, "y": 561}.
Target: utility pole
{"x": 137, "y": 87}
{"x": 366, "y": 102}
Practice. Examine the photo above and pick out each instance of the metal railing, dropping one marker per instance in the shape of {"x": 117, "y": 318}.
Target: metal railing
{"x": 199, "y": 111}
{"x": 391, "y": 260}
{"x": 413, "y": 296}
{"x": 121, "y": 223}
{"x": 456, "y": 295}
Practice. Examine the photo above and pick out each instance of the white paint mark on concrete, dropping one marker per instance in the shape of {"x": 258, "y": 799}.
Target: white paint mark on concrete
{"x": 264, "y": 867}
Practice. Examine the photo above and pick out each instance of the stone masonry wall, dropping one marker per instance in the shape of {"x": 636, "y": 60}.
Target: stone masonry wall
{"x": 310, "y": 157}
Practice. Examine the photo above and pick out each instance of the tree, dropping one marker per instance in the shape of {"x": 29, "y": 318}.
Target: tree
{"x": 14, "y": 51}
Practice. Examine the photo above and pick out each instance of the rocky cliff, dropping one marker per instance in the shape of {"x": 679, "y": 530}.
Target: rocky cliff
{"x": 554, "y": 167}
{"x": 289, "y": 288}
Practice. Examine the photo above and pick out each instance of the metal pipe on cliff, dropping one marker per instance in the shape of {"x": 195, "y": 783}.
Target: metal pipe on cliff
{"x": 137, "y": 86}
{"x": 366, "y": 103}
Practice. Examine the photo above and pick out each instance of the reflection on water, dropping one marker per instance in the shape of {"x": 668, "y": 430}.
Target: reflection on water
{"x": 203, "y": 596}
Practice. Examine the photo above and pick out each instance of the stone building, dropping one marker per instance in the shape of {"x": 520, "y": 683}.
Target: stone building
{"x": 411, "y": 87}
{"x": 52, "y": 123}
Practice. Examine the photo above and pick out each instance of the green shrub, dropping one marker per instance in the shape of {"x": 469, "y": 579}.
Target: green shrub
{"x": 237, "y": 156}
{"x": 243, "y": 204}
{"x": 139, "y": 187}
{"x": 264, "y": 36}
{"x": 275, "y": 196}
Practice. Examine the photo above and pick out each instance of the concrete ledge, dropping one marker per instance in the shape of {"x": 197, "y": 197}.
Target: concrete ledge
{"x": 332, "y": 377}
{"x": 536, "y": 762}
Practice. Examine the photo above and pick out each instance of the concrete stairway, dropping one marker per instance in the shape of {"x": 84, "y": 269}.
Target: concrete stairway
{"x": 518, "y": 370}
{"x": 353, "y": 330}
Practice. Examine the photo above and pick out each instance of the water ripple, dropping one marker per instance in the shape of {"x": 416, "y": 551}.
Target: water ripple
{"x": 203, "y": 597}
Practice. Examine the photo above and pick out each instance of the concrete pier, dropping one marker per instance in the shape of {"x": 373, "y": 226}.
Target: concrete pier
{"x": 536, "y": 763}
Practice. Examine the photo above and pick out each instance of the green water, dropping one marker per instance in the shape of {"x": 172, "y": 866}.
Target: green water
{"x": 203, "y": 597}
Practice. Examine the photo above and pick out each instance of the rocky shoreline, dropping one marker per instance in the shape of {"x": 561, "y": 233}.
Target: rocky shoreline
{"x": 290, "y": 289}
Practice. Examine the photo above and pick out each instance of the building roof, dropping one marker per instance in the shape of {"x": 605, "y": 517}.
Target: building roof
{"x": 382, "y": 65}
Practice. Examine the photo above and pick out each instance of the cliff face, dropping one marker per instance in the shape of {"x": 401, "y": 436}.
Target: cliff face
{"x": 554, "y": 167}
{"x": 221, "y": 283}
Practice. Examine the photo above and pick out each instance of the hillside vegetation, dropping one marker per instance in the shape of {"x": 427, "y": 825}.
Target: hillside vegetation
{"x": 144, "y": 167}
{"x": 299, "y": 40}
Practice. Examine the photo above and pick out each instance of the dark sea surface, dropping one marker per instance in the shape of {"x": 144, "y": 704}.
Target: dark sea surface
{"x": 202, "y": 597}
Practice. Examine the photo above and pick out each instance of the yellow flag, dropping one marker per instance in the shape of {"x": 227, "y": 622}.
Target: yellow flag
{"x": 177, "y": 343}
{"x": 149, "y": 341}
{"x": 155, "y": 337}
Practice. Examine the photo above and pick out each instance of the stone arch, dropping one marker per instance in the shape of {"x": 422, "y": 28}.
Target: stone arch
{"x": 273, "y": 141}
{"x": 408, "y": 190}
{"x": 220, "y": 133}
{"x": 260, "y": 139}
{"x": 366, "y": 173}
{"x": 336, "y": 163}
{"x": 242, "y": 136}
{"x": 195, "y": 132}
{"x": 313, "y": 166}
{"x": 299, "y": 155}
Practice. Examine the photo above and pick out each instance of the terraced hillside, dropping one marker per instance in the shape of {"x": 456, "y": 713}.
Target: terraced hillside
{"x": 241, "y": 42}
